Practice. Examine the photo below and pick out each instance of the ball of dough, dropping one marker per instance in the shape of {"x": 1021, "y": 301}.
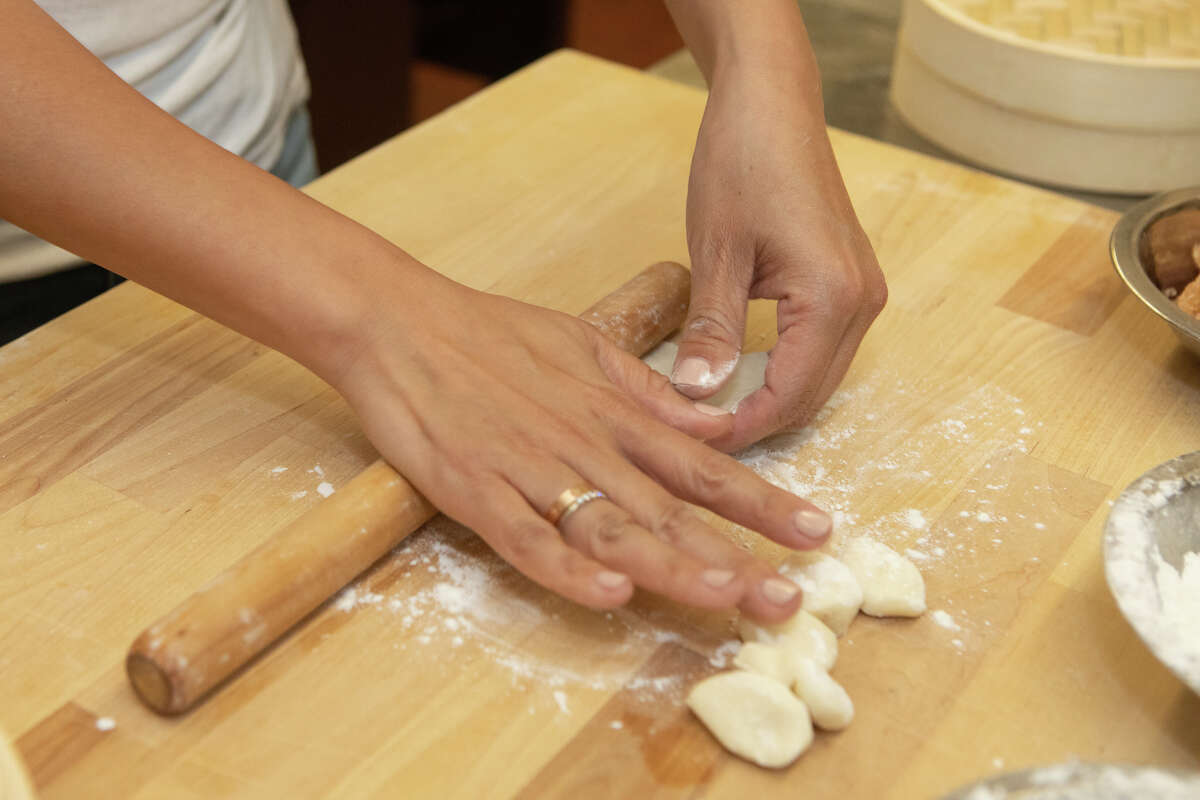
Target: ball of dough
{"x": 827, "y": 701}
{"x": 802, "y": 634}
{"x": 891, "y": 584}
{"x": 765, "y": 659}
{"x": 831, "y": 592}
{"x": 753, "y": 716}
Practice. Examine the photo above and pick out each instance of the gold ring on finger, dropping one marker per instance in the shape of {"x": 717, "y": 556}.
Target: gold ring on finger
{"x": 570, "y": 501}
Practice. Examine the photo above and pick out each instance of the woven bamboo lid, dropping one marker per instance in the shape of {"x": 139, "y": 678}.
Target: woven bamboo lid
{"x": 1134, "y": 29}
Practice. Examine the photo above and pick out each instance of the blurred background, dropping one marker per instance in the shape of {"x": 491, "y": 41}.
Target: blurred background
{"x": 378, "y": 68}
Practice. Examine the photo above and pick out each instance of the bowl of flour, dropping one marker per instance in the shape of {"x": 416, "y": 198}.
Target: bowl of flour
{"x": 1076, "y": 780}
{"x": 1152, "y": 562}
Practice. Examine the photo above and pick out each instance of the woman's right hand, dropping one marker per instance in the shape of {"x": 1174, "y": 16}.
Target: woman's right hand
{"x": 492, "y": 408}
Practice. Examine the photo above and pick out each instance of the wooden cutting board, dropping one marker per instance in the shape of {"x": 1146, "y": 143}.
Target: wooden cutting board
{"x": 1010, "y": 389}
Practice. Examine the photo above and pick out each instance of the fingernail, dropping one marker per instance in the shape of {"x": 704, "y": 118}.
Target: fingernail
{"x": 712, "y": 411}
{"x": 812, "y": 524}
{"x": 717, "y": 578}
{"x": 610, "y": 580}
{"x": 778, "y": 591}
{"x": 692, "y": 372}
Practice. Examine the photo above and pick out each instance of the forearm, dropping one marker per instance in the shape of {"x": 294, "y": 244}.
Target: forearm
{"x": 88, "y": 163}
{"x": 763, "y": 40}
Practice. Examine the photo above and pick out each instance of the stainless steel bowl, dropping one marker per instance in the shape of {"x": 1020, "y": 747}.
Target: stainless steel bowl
{"x": 1078, "y": 780}
{"x": 1152, "y": 525}
{"x": 1125, "y": 249}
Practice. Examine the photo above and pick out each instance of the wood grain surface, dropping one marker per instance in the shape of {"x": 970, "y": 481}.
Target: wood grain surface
{"x": 1009, "y": 390}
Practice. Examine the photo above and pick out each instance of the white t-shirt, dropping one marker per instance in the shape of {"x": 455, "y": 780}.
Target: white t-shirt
{"x": 229, "y": 69}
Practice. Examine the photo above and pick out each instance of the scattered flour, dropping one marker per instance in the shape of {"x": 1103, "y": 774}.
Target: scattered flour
{"x": 325, "y": 488}
{"x": 450, "y": 592}
{"x": 352, "y": 597}
{"x": 105, "y": 723}
{"x": 723, "y": 655}
{"x": 907, "y": 461}
{"x": 278, "y": 470}
{"x": 944, "y": 619}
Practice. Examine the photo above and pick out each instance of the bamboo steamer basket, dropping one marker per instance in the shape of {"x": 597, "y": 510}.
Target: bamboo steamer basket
{"x": 1100, "y": 95}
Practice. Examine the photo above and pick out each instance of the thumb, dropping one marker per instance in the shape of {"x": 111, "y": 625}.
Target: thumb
{"x": 712, "y": 335}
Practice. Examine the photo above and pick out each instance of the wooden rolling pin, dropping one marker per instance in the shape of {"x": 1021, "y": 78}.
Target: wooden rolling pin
{"x": 183, "y": 656}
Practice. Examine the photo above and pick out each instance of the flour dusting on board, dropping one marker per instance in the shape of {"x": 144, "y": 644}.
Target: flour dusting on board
{"x": 447, "y": 595}
{"x": 911, "y": 461}
{"x": 446, "y": 591}
{"x": 947, "y": 468}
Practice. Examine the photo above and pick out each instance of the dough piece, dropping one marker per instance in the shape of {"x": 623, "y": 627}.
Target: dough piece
{"x": 748, "y": 376}
{"x": 891, "y": 584}
{"x": 804, "y": 635}
{"x": 827, "y": 701}
{"x": 831, "y": 592}
{"x": 765, "y": 659}
{"x": 753, "y": 716}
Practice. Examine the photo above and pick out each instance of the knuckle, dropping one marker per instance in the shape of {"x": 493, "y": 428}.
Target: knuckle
{"x": 876, "y": 296}
{"x": 524, "y": 540}
{"x": 770, "y": 503}
{"x": 674, "y": 522}
{"x": 611, "y": 531}
{"x": 712, "y": 325}
{"x": 655, "y": 383}
{"x": 709, "y": 475}
{"x": 712, "y": 247}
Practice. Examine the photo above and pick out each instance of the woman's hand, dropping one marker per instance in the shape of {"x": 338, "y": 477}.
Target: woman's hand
{"x": 492, "y": 408}
{"x": 768, "y": 216}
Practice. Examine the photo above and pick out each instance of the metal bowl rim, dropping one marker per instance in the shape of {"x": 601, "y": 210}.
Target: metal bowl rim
{"x": 1123, "y": 247}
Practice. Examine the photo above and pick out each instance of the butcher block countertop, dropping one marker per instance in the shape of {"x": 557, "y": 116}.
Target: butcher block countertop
{"x": 1009, "y": 391}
